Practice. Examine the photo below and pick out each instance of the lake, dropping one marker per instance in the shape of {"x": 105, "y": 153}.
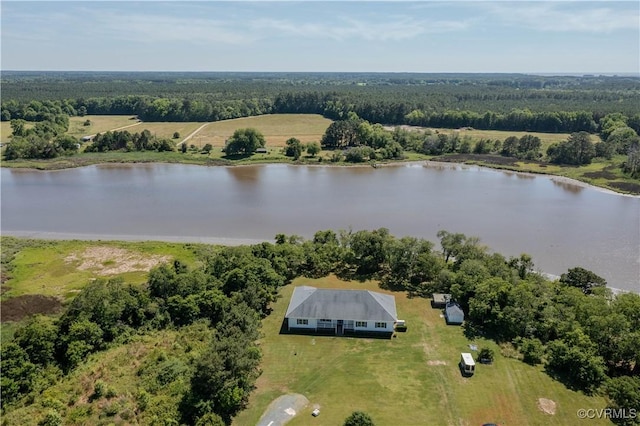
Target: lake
{"x": 560, "y": 224}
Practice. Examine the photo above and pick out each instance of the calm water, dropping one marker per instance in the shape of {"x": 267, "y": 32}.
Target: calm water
{"x": 561, "y": 225}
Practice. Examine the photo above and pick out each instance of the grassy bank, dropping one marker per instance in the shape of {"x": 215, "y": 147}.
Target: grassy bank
{"x": 410, "y": 379}
{"x": 601, "y": 173}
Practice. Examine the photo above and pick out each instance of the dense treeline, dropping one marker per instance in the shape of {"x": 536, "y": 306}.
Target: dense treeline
{"x": 584, "y": 335}
{"x": 500, "y": 102}
{"x": 331, "y": 105}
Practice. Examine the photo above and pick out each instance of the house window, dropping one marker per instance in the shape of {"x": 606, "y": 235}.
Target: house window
{"x": 301, "y": 321}
{"x": 361, "y": 323}
{"x": 381, "y": 325}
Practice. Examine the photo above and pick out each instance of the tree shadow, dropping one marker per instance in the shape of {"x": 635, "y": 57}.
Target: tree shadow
{"x": 471, "y": 331}
{"x": 236, "y": 156}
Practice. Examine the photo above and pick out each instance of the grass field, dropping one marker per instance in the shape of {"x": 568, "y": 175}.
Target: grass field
{"x": 99, "y": 124}
{"x": 166, "y": 130}
{"x": 62, "y": 268}
{"x": 276, "y": 129}
{"x": 409, "y": 380}
{"x": 5, "y": 131}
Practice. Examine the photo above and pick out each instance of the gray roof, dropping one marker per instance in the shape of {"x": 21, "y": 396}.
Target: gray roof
{"x": 441, "y": 297}
{"x": 453, "y": 308}
{"x": 358, "y": 305}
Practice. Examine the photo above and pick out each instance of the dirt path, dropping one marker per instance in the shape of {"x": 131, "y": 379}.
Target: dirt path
{"x": 120, "y": 128}
{"x": 192, "y": 134}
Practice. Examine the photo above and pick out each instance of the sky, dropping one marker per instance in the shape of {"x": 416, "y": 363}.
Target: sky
{"x": 559, "y": 37}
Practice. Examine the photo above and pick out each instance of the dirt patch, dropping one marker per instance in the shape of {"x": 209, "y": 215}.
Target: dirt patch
{"x": 547, "y": 406}
{"x": 601, "y": 174}
{"x": 630, "y": 187}
{"x": 20, "y": 307}
{"x": 436, "y": 362}
{"x": 112, "y": 260}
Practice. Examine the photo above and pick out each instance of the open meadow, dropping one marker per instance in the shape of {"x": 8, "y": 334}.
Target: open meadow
{"x": 412, "y": 379}
{"x": 276, "y": 128}
{"x": 41, "y": 276}
{"x": 100, "y": 124}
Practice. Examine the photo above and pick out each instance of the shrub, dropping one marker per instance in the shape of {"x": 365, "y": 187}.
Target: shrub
{"x": 359, "y": 418}
{"x": 52, "y": 418}
{"x": 486, "y": 355}
{"x": 532, "y": 351}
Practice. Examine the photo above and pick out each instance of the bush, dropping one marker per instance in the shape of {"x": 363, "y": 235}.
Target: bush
{"x": 359, "y": 418}
{"x": 485, "y": 356}
{"x": 52, "y": 418}
{"x": 532, "y": 351}
{"x": 176, "y": 135}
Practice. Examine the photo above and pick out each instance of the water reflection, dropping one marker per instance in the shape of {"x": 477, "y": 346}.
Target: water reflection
{"x": 568, "y": 186}
{"x": 247, "y": 176}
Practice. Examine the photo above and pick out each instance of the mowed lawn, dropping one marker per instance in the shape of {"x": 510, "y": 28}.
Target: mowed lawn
{"x": 412, "y": 379}
{"x": 276, "y": 128}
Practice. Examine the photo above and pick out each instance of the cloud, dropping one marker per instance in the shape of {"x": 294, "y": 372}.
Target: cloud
{"x": 589, "y": 17}
{"x": 246, "y": 30}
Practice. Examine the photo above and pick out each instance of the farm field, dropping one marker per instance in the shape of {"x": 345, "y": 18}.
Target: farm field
{"x": 99, "y": 124}
{"x": 410, "y": 380}
{"x": 5, "y": 131}
{"x": 167, "y": 129}
{"x": 276, "y": 128}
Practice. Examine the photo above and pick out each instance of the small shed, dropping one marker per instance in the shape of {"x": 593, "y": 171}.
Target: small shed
{"x": 439, "y": 300}
{"x": 467, "y": 364}
{"x": 453, "y": 313}
{"x": 261, "y": 151}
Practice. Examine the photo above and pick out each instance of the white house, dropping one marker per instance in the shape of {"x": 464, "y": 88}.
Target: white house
{"x": 341, "y": 311}
{"x": 453, "y": 313}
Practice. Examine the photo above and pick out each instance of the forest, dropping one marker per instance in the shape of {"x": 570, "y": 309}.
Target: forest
{"x": 584, "y": 336}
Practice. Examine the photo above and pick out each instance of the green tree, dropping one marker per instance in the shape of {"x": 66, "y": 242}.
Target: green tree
{"x": 244, "y": 141}
{"x": 359, "y": 418}
{"x": 624, "y": 393}
{"x": 632, "y": 163}
{"x": 206, "y": 149}
{"x": 38, "y": 339}
{"x": 18, "y": 127}
{"x": 576, "y": 150}
{"x": 341, "y": 134}
{"x": 313, "y": 149}
{"x": 582, "y": 279}
{"x": 176, "y": 135}
{"x": 18, "y": 373}
{"x": 294, "y": 148}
